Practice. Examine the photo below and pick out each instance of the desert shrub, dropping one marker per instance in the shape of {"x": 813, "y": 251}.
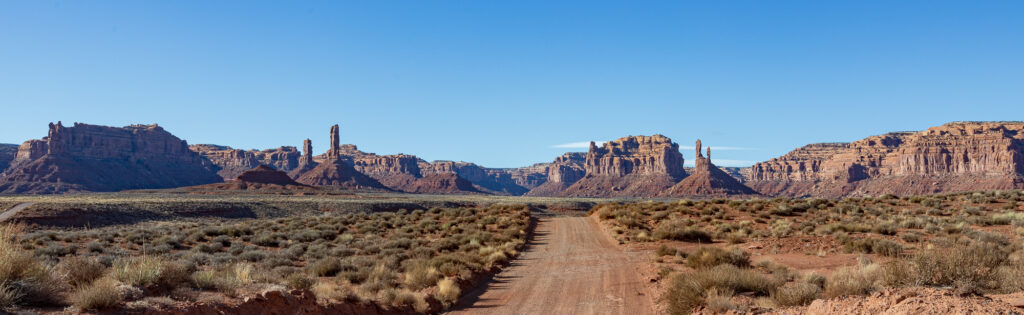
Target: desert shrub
{"x": 797, "y": 293}
{"x": 80, "y": 271}
{"x": 419, "y": 274}
{"x": 448, "y": 291}
{"x": 687, "y": 291}
{"x": 326, "y": 267}
{"x": 680, "y": 231}
{"x": 707, "y": 257}
{"x": 853, "y": 281}
{"x": 874, "y": 246}
{"x": 968, "y": 267}
{"x": 138, "y": 271}
{"x": 23, "y": 278}
{"x": 100, "y": 294}
{"x": 299, "y": 281}
{"x": 666, "y": 251}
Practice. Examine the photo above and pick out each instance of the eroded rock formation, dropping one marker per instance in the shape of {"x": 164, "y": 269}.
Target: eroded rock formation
{"x": 707, "y": 180}
{"x": 563, "y": 172}
{"x": 99, "y": 158}
{"x": 336, "y": 171}
{"x": 233, "y": 162}
{"x": 638, "y": 166}
{"x": 493, "y": 180}
{"x": 959, "y": 156}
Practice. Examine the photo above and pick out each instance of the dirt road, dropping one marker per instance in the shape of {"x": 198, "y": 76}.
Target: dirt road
{"x": 14, "y": 210}
{"x": 572, "y": 267}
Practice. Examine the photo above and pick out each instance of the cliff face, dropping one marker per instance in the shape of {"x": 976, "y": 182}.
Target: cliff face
{"x": 98, "y": 158}
{"x": 957, "y": 156}
{"x": 560, "y": 174}
{"x": 640, "y": 166}
{"x": 7, "y": 154}
{"x": 707, "y": 180}
{"x": 233, "y": 162}
{"x": 493, "y": 180}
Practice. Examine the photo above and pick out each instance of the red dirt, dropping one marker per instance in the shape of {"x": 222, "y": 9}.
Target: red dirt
{"x": 572, "y": 267}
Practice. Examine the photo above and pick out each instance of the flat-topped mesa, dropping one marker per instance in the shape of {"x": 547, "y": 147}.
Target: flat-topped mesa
{"x": 560, "y": 174}
{"x": 492, "y": 180}
{"x": 100, "y": 158}
{"x": 959, "y": 156}
{"x": 642, "y": 155}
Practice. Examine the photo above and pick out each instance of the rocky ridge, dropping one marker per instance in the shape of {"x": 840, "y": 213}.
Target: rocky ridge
{"x": 707, "y": 180}
{"x": 233, "y": 162}
{"x": 959, "y": 156}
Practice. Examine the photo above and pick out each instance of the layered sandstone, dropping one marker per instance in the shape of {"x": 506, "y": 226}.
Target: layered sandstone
{"x": 707, "y": 180}
{"x": 958, "y": 156}
{"x": 563, "y": 172}
{"x": 262, "y": 178}
{"x": 233, "y": 162}
{"x": 634, "y": 166}
{"x": 336, "y": 171}
{"x": 99, "y": 158}
{"x": 306, "y": 162}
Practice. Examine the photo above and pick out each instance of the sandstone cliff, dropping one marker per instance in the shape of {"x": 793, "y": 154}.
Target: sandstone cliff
{"x": 233, "y": 162}
{"x": 98, "y": 158}
{"x": 707, "y": 180}
{"x": 634, "y": 166}
{"x": 958, "y": 156}
{"x": 563, "y": 172}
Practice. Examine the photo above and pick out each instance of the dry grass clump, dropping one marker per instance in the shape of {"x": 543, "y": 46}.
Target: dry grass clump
{"x": 24, "y": 279}
{"x": 100, "y": 294}
{"x": 688, "y": 291}
{"x": 448, "y": 291}
{"x": 707, "y": 257}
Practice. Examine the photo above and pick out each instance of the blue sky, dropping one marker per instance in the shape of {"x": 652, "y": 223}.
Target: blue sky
{"x": 504, "y": 84}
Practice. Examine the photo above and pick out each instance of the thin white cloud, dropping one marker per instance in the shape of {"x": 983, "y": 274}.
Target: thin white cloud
{"x": 717, "y": 148}
{"x": 576, "y": 145}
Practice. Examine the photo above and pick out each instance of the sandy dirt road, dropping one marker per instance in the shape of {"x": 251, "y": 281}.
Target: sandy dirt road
{"x": 14, "y": 210}
{"x": 572, "y": 267}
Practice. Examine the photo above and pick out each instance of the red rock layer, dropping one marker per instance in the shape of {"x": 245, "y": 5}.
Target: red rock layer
{"x": 562, "y": 173}
{"x": 958, "y": 156}
{"x": 98, "y": 158}
{"x": 496, "y": 181}
{"x": 7, "y": 154}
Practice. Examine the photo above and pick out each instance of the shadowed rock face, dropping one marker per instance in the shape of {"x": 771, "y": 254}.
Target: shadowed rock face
{"x": 958, "y": 156}
{"x": 266, "y": 175}
{"x": 98, "y": 158}
{"x": 233, "y": 162}
{"x": 493, "y": 180}
{"x": 7, "y": 154}
{"x": 563, "y": 172}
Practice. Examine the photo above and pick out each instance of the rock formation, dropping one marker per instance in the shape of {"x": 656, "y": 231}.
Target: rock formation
{"x": 707, "y": 180}
{"x": 233, "y": 162}
{"x": 529, "y": 177}
{"x": 336, "y": 171}
{"x": 7, "y": 154}
{"x": 496, "y": 181}
{"x": 563, "y": 172}
{"x": 262, "y": 179}
{"x": 98, "y": 158}
{"x": 441, "y": 183}
{"x": 306, "y": 162}
{"x": 634, "y": 166}
{"x": 959, "y": 156}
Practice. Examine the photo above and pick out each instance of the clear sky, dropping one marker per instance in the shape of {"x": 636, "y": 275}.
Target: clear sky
{"x": 512, "y": 83}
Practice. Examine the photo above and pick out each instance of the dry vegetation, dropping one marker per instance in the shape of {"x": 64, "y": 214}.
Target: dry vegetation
{"x": 969, "y": 242}
{"x": 403, "y": 259}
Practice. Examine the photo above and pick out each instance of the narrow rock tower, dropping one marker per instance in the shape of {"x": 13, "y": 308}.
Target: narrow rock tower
{"x": 332, "y": 152}
{"x": 307, "y": 152}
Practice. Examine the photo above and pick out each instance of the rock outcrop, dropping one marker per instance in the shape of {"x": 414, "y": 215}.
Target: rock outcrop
{"x": 563, "y": 172}
{"x": 233, "y": 162}
{"x": 262, "y": 179}
{"x": 337, "y": 172}
{"x": 960, "y": 156}
{"x": 98, "y": 158}
{"x": 496, "y": 181}
{"x": 306, "y": 162}
{"x": 634, "y": 166}
{"x": 7, "y": 154}
{"x": 707, "y": 180}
